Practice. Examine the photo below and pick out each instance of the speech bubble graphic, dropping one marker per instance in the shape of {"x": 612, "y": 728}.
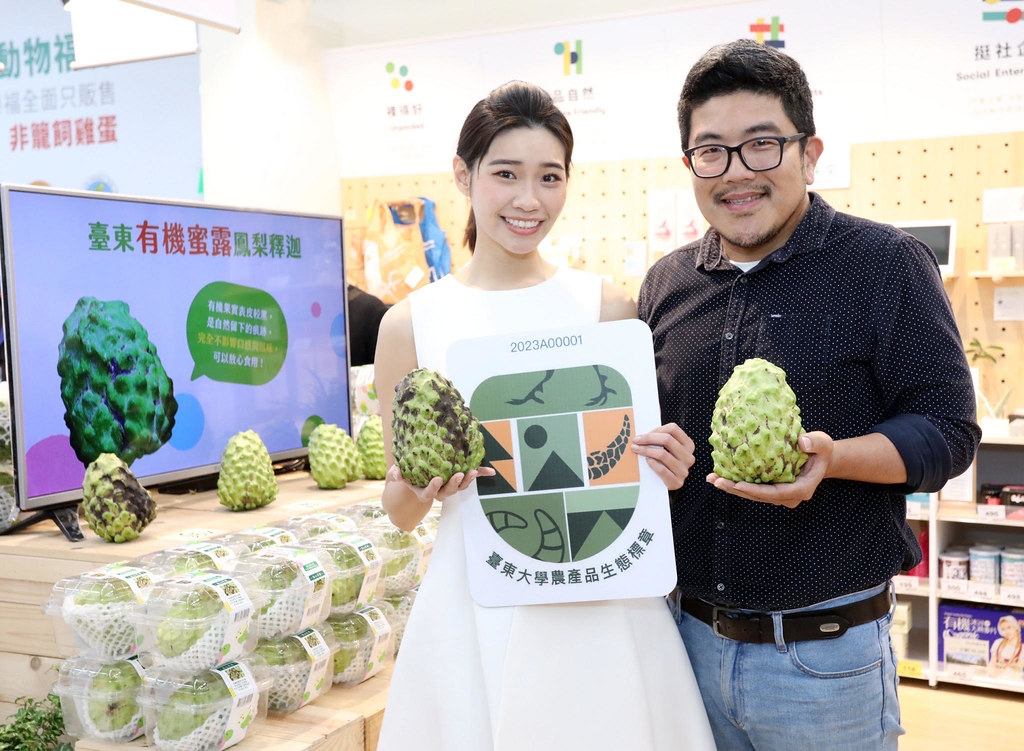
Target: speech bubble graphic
{"x": 236, "y": 334}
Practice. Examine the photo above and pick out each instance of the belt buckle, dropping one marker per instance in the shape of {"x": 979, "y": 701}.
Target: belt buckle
{"x": 715, "y": 612}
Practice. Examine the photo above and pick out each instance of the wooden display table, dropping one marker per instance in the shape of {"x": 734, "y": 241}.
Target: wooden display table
{"x": 33, "y": 559}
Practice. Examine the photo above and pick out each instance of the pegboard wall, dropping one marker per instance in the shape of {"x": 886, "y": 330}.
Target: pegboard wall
{"x": 926, "y": 179}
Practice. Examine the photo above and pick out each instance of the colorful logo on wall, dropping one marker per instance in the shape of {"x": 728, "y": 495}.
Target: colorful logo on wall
{"x": 399, "y": 76}
{"x": 768, "y": 33}
{"x": 1010, "y": 15}
{"x": 571, "y": 57}
{"x": 566, "y": 483}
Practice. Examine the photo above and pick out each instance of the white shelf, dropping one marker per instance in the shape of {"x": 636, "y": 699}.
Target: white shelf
{"x": 1005, "y": 440}
{"x": 996, "y": 276}
{"x": 965, "y": 675}
{"x": 955, "y": 522}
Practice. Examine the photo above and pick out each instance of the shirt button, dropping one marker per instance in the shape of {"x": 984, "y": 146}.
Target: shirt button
{"x": 719, "y": 525}
{"x": 728, "y": 336}
{"x": 743, "y": 279}
{"x": 720, "y": 587}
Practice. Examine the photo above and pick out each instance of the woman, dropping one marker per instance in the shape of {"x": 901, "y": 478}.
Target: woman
{"x": 593, "y": 676}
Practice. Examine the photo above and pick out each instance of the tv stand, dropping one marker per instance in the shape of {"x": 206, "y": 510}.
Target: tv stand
{"x": 64, "y": 515}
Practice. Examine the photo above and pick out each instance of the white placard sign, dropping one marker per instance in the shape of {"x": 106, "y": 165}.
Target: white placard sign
{"x": 573, "y": 514}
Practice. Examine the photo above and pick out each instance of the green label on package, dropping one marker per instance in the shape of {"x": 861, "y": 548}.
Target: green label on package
{"x": 320, "y": 656}
{"x": 244, "y": 701}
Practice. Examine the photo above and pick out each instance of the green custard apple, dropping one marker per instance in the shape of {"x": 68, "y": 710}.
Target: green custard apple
{"x": 188, "y": 620}
{"x": 370, "y": 444}
{"x": 98, "y": 610}
{"x": 353, "y": 634}
{"x": 114, "y": 504}
{"x": 113, "y": 698}
{"x": 246, "y": 479}
{"x": 333, "y": 457}
{"x": 349, "y": 581}
{"x": 203, "y": 698}
{"x": 755, "y": 426}
{"x": 434, "y": 433}
{"x": 117, "y": 396}
{"x": 289, "y": 664}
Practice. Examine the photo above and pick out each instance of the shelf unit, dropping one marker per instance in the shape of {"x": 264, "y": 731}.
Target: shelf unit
{"x": 999, "y": 460}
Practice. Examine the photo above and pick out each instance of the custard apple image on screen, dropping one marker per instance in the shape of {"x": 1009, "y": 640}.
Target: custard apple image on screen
{"x": 566, "y": 484}
{"x": 433, "y": 433}
{"x": 115, "y": 505}
{"x": 755, "y": 426}
{"x": 117, "y": 397}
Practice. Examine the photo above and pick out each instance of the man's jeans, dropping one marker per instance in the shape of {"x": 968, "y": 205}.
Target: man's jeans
{"x": 838, "y": 694}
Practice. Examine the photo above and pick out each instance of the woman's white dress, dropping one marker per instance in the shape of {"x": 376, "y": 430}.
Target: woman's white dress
{"x": 596, "y": 676}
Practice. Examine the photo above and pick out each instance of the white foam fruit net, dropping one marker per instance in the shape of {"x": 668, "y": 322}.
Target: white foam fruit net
{"x": 205, "y": 737}
{"x": 356, "y": 669}
{"x": 289, "y": 686}
{"x": 101, "y": 629}
{"x": 284, "y": 614}
{"x": 204, "y": 654}
{"x": 403, "y": 580}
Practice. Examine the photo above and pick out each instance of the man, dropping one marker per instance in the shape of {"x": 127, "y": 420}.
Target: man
{"x": 784, "y": 596}
{"x": 364, "y": 314}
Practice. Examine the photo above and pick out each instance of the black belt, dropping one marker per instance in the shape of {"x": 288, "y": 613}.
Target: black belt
{"x": 757, "y": 628}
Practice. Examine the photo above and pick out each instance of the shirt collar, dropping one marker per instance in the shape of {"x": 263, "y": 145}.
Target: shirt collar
{"x": 808, "y": 236}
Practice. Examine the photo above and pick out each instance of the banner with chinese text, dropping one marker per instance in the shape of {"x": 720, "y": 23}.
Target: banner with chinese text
{"x": 132, "y": 128}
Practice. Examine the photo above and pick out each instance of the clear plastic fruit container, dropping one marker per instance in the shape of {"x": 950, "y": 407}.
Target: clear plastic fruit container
{"x": 258, "y": 538}
{"x": 402, "y": 554}
{"x": 364, "y": 513}
{"x": 306, "y": 526}
{"x": 206, "y": 555}
{"x": 301, "y": 666}
{"x": 199, "y": 620}
{"x": 101, "y": 699}
{"x": 364, "y": 645}
{"x": 295, "y": 583}
{"x": 93, "y": 611}
{"x": 358, "y": 565}
{"x": 207, "y": 710}
{"x": 397, "y": 609}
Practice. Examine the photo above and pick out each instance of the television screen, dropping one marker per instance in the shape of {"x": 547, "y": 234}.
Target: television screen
{"x": 939, "y": 235}
{"x": 156, "y": 330}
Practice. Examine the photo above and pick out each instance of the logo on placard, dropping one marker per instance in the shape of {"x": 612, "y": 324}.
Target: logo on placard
{"x": 768, "y": 32}
{"x": 1010, "y": 15}
{"x": 567, "y": 484}
{"x": 572, "y": 57}
{"x": 399, "y": 76}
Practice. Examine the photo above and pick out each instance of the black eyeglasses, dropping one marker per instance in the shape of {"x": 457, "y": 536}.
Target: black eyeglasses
{"x": 757, "y": 154}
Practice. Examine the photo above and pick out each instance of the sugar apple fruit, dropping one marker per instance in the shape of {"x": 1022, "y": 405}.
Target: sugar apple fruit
{"x": 371, "y": 448}
{"x": 333, "y": 456}
{"x": 755, "y": 426}
{"x": 115, "y": 505}
{"x": 246, "y": 478}
{"x": 352, "y": 571}
{"x": 113, "y": 697}
{"x": 187, "y": 621}
{"x": 117, "y": 397}
{"x": 352, "y": 632}
{"x": 434, "y": 433}
{"x": 190, "y": 706}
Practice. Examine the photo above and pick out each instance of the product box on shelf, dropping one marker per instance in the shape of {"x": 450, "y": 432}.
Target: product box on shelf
{"x": 982, "y": 640}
